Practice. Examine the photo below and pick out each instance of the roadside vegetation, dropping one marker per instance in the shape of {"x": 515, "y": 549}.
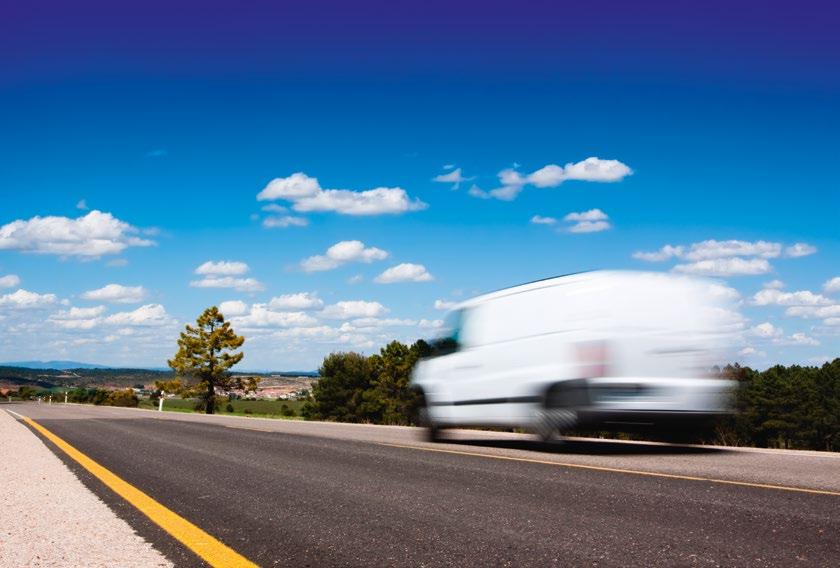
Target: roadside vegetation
{"x": 791, "y": 407}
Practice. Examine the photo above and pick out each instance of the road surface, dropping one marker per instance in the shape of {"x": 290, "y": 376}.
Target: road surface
{"x": 291, "y": 493}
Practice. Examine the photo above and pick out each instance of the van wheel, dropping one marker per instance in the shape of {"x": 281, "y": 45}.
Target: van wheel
{"x": 433, "y": 431}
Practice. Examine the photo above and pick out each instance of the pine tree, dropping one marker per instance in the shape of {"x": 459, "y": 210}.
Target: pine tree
{"x": 206, "y": 354}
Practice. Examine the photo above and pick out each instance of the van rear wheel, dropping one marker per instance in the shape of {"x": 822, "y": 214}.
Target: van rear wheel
{"x": 424, "y": 419}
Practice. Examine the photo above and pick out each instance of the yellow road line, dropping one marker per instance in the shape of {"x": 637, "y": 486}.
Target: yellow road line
{"x": 213, "y": 551}
{"x": 619, "y": 470}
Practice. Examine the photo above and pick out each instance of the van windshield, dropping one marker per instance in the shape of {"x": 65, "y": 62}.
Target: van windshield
{"x": 450, "y": 338}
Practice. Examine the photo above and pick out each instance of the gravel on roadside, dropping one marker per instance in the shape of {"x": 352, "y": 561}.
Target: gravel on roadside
{"x": 49, "y": 518}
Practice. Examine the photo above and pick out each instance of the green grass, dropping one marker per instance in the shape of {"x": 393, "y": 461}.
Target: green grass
{"x": 262, "y": 408}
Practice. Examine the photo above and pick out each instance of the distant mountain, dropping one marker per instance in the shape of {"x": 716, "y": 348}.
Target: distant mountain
{"x": 58, "y": 365}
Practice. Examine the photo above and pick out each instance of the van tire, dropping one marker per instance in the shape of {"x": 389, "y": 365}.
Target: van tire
{"x": 424, "y": 420}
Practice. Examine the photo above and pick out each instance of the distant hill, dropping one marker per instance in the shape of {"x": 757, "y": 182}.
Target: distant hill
{"x": 59, "y": 365}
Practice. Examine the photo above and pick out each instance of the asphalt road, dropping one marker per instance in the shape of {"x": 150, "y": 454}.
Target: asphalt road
{"x": 317, "y": 494}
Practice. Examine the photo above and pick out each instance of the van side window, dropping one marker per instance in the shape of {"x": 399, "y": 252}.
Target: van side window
{"x": 450, "y": 339}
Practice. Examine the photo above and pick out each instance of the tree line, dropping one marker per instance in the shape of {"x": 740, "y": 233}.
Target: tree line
{"x": 791, "y": 407}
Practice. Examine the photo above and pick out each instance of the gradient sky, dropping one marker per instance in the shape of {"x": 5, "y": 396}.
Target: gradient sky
{"x": 173, "y": 117}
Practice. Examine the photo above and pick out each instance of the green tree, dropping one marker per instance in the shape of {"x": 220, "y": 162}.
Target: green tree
{"x": 124, "y": 397}
{"x": 206, "y": 352}
{"x": 391, "y": 400}
{"x": 338, "y": 395}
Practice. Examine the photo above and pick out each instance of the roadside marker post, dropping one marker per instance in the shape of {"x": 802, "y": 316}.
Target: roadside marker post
{"x": 160, "y": 401}
{"x": 65, "y": 397}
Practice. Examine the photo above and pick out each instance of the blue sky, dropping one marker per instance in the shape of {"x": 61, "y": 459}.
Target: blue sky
{"x": 717, "y": 134}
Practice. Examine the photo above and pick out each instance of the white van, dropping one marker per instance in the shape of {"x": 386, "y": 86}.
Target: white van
{"x": 596, "y": 350}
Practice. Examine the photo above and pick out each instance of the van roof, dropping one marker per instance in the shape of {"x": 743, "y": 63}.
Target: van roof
{"x": 553, "y": 281}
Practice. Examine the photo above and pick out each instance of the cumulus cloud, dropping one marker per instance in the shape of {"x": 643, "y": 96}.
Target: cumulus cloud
{"x": 832, "y": 285}
{"x": 405, "y": 272}
{"x": 444, "y": 305}
{"x": 591, "y": 169}
{"x": 282, "y": 222}
{"x": 82, "y": 204}
{"x": 298, "y": 301}
{"x": 151, "y": 315}
{"x": 262, "y": 315}
{"x": 9, "y": 281}
{"x": 774, "y": 285}
{"x": 341, "y": 253}
{"x": 540, "y": 220}
{"x": 239, "y": 284}
{"x": 725, "y": 267}
{"x": 765, "y": 330}
{"x": 75, "y": 313}
{"x": 665, "y": 253}
{"x": 819, "y": 312}
{"x": 773, "y": 296}
{"x": 725, "y": 258}
{"x": 232, "y": 308}
{"x": 117, "y": 294}
{"x": 306, "y": 195}
{"x": 454, "y": 177}
{"x": 799, "y": 339}
{"x": 222, "y": 268}
{"x": 749, "y": 350}
{"x": 24, "y": 299}
{"x": 350, "y": 309}
{"x": 800, "y": 249}
{"x": 591, "y": 221}
{"x": 90, "y": 236}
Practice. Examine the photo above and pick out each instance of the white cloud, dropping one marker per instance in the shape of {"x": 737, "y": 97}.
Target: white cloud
{"x": 75, "y": 313}
{"x": 749, "y": 350}
{"x": 82, "y": 204}
{"x": 222, "y": 268}
{"x": 274, "y": 208}
{"x": 665, "y": 253}
{"x": 476, "y": 191}
{"x": 350, "y": 309}
{"x": 725, "y": 267}
{"x": 340, "y": 253}
{"x": 765, "y": 330}
{"x": 298, "y": 301}
{"x": 430, "y": 324}
{"x": 723, "y": 292}
{"x": 832, "y": 285}
{"x": 591, "y": 169}
{"x": 117, "y": 294}
{"x": 444, "y": 305}
{"x": 771, "y": 296}
{"x": 24, "y": 299}
{"x": 797, "y": 250}
{"x": 239, "y": 284}
{"x": 591, "y": 221}
{"x": 284, "y": 222}
{"x": 355, "y": 279}
{"x": 800, "y": 339}
{"x": 147, "y": 315}
{"x": 9, "y": 281}
{"x": 454, "y": 177}
{"x": 540, "y": 220}
{"x": 591, "y": 215}
{"x": 773, "y": 285}
{"x": 362, "y": 323}
{"x": 89, "y": 236}
{"x": 261, "y": 316}
{"x": 405, "y": 272}
{"x": 814, "y": 311}
{"x": 712, "y": 249}
{"x": 306, "y": 195}
{"x": 233, "y": 308}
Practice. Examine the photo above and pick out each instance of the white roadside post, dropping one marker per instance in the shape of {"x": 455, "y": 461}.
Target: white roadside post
{"x": 65, "y": 397}
{"x": 160, "y": 401}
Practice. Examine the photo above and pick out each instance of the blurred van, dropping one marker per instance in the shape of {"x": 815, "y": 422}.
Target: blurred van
{"x": 599, "y": 350}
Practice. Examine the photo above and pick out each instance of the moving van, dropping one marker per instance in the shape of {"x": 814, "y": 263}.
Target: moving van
{"x": 599, "y": 350}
